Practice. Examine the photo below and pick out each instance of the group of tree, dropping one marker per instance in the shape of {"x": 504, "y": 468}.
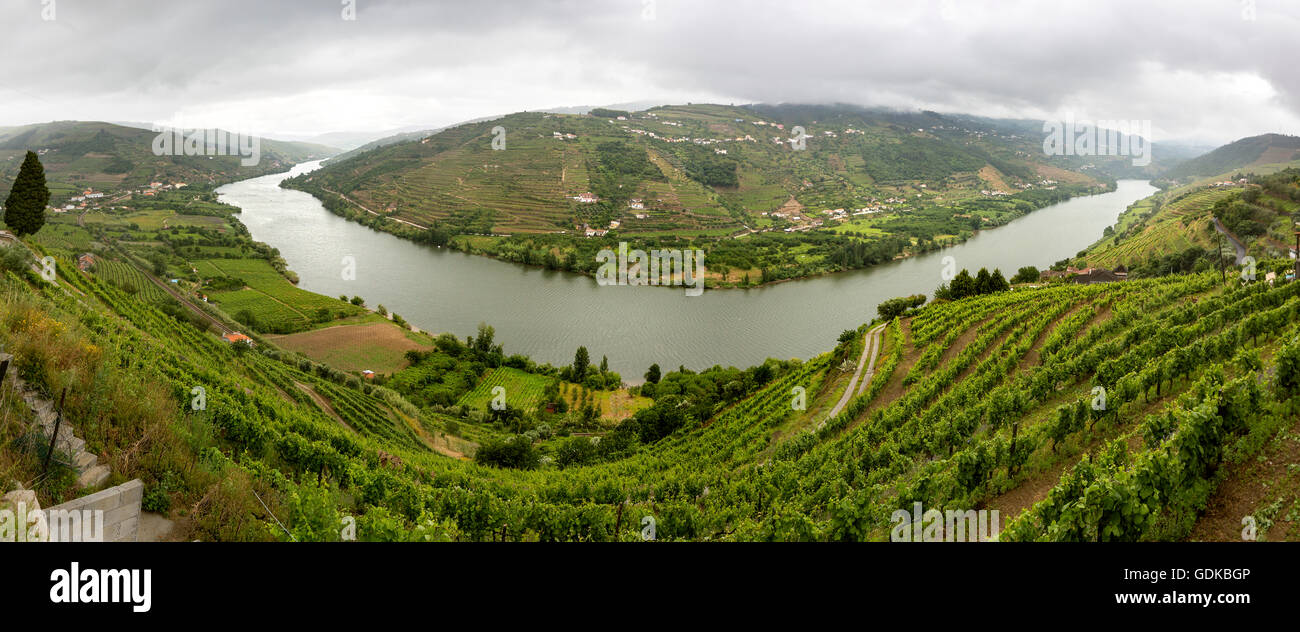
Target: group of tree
{"x": 717, "y": 384}
{"x": 896, "y": 307}
{"x": 595, "y": 378}
{"x": 1026, "y": 274}
{"x": 607, "y": 112}
{"x": 710, "y": 169}
{"x": 964, "y": 285}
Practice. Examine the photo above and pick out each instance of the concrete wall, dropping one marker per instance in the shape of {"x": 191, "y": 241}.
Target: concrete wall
{"x": 121, "y": 507}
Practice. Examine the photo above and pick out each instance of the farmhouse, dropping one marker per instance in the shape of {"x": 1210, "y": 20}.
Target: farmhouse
{"x": 237, "y": 337}
{"x": 85, "y": 262}
{"x": 1089, "y": 276}
{"x": 1086, "y": 276}
{"x": 585, "y": 198}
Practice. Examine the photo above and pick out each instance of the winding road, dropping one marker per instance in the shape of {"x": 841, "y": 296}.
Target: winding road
{"x": 870, "y": 345}
{"x": 1241, "y": 250}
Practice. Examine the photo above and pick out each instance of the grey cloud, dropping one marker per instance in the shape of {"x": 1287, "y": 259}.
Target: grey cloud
{"x": 145, "y": 60}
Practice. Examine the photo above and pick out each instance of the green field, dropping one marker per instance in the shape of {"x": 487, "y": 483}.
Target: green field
{"x": 278, "y": 305}
{"x": 522, "y": 390}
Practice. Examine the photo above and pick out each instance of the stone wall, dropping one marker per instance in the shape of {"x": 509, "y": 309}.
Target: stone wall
{"x": 121, "y": 507}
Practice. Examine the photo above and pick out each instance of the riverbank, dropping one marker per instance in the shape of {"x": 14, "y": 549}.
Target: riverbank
{"x": 547, "y": 314}
{"x": 556, "y": 251}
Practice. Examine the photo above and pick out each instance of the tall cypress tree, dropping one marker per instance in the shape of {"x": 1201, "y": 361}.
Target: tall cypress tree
{"x": 581, "y": 362}
{"x": 25, "y": 207}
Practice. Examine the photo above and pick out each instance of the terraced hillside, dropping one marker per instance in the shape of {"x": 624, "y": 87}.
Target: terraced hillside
{"x": 771, "y": 192}
{"x": 1106, "y": 412}
{"x": 1183, "y": 227}
{"x": 693, "y": 168}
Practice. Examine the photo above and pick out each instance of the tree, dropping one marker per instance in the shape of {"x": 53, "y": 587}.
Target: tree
{"x": 483, "y": 341}
{"x": 983, "y": 282}
{"x": 517, "y": 453}
{"x": 895, "y": 307}
{"x": 997, "y": 282}
{"x": 652, "y": 374}
{"x": 581, "y": 363}
{"x": 246, "y": 316}
{"x": 25, "y": 207}
{"x": 1027, "y": 274}
{"x": 963, "y": 285}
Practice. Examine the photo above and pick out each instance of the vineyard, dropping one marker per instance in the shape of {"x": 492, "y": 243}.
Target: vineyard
{"x": 129, "y": 279}
{"x": 522, "y": 390}
{"x": 278, "y": 305}
{"x": 1081, "y": 412}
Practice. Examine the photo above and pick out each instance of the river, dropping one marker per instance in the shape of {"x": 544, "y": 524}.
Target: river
{"x": 548, "y": 314}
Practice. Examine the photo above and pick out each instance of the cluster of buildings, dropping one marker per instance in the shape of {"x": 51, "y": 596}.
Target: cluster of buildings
{"x": 747, "y": 138}
{"x": 79, "y": 201}
{"x": 155, "y": 187}
{"x": 1086, "y": 276}
{"x": 89, "y": 197}
{"x": 1229, "y": 183}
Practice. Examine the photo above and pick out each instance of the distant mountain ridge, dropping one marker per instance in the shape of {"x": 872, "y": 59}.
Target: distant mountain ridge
{"x": 79, "y": 155}
{"x": 1262, "y": 149}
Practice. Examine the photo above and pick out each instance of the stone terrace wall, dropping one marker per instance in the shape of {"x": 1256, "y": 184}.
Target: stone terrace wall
{"x": 121, "y": 507}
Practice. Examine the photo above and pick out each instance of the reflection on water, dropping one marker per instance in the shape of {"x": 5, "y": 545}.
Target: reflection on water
{"x": 547, "y": 314}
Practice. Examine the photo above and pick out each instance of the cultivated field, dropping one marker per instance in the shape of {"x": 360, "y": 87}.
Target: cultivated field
{"x": 379, "y": 347}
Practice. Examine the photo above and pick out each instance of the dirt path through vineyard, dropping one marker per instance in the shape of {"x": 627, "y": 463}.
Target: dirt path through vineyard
{"x": 870, "y": 346}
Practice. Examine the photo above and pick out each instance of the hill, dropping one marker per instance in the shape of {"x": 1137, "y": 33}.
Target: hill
{"x": 862, "y": 187}
{"x": 1203, "y": 224}
{"x": 1139, "y": 410}
{"x": 1241, "y": 154}
{"x": 80, "y": 155}
{"x": 691, "y": 166}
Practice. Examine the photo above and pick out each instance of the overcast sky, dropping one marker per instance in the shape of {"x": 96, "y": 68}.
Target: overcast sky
{"x": 1212, "y": 70}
